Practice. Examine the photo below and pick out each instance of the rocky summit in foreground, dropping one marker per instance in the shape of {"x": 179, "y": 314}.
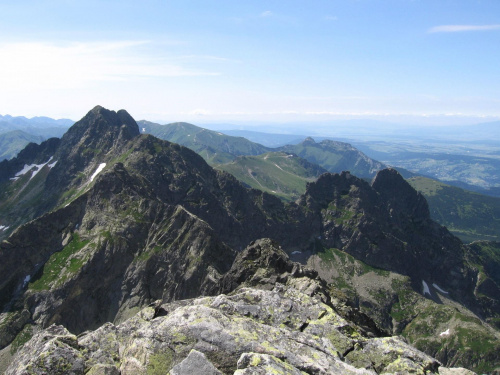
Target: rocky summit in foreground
{"x": 279, "y": 320}
{"x": 101, "y": 224}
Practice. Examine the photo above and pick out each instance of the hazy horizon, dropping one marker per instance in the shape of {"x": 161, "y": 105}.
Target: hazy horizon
{"x": 409, "y": 61}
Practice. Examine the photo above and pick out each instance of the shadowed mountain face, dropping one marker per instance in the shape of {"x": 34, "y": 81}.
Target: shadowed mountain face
{"x": 123, "y": 219}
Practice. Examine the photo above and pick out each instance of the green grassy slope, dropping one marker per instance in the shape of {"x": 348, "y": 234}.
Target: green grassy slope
{"x": 470, "y": 216}
{"x": 14, "y": 141}
{"x": 335, "y": 157}
{"x": 214, "y": 147}
{"x": 445, "y": 330}
{"x": 278, "y": 173}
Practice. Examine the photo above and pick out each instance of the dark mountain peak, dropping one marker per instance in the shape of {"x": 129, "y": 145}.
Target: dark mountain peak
{"x": 308, "y": 141}
{"x": 400, "y": 195}
{"x": 31, "y": 154}
{"x": 98, "y": 136}
{"x": 101, "y": 126}
{"x": 334, "y": 188}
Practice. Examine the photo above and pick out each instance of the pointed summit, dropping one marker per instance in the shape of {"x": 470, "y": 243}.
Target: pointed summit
{"x": 308, "y": 141}
{"x": 100, "y": 134}
{"x": 101, "y": 127}
{"x": 401, "y": 197}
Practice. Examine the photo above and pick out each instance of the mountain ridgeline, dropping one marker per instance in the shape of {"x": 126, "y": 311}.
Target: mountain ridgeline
{"x": 217, "y": 148}
{"x": 107, "y": 221}
{"x": 17, "y": 132}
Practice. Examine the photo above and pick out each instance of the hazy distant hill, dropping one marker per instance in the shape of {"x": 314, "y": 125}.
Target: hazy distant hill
{"x": 335, "y": 157}
{"x": 469, "y": 164}
{"x": 278, "y": 173}
{"x": 31, "y": 125}
{"x": 213, "y": 146}
{"x": 13, "y": 141}
{"x": 218, "y": 148}
{"x": 17, "y": 132}
{"x": 468, "y": 215}
{"x": 268, "y": 139}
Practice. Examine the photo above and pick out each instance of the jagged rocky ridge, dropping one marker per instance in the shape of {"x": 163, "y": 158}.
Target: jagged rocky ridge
{"x": 278, "y": 319}
{"x": 131, "y": 219}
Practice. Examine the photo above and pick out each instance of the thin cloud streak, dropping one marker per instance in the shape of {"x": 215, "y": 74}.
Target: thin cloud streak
{"x": 39, "y": 65}
{"x": 462, "y": 28}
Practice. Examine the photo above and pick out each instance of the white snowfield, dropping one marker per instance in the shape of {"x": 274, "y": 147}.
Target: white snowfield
{"x": 426, "y": 288}
{"x": 439, "y": 289}
{"x": 445, "y": 333}
{"x": 34, "y": 168}
{"x": 3, "y": 227}
{"x": 26, "y": 280}
{"x": 98, "y": 170}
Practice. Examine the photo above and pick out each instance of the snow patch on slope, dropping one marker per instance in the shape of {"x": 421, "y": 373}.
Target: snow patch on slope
{"x": 445, "y": 333}
{"x": 426, "y": 288}
{"x": 98, "y": 170}
{"x": 26, "y": 280}
{"x": 439, "y": 289}
{"x": 34, "y": 168}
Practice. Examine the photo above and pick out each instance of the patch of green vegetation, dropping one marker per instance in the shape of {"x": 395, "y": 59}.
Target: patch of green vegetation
{"x": 65, "y": 260}
{"x": 9, "y": 318}
{"x": 277, "y": 173}
{"x": 14, "y": 141}
{"x": 488, "y": 258}
{"x": 467, "y": 334}
{"x": 404, "y": 308}
{"x": 122, "y": 157}
{"x": 475, "y": 341}
{"x": 90, "y": 150}
{"x": 108, "y": 236}
{"x": 148, "y": 254}
{"x": 160, "y": 363}
{"x": 332, "y": 254}
{"x": 22, "y": 338}
{"x": 470, "y": 216}
{"x": 327, "y": 255}
{"x": 133, "y": 212}
{"x": 68, "y": 194}
{"x": 346, "y": 216}
{"x": 158, "y": 147}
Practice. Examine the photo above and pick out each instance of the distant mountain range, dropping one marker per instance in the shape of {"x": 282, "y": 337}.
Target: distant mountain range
{"x": 218, "y": 148}
{"x": 111, "y": 236}
{"x": 284, "y": 171}
{"x": 283, "y": 174}
{"x": 17, "y": 132}
{"x": 468, "y": 215}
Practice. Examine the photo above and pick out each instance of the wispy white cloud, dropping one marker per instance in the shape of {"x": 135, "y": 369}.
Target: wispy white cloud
{"x": 267, "y": 13}
{"x": 331, "y": 18}
{"x": 462, "y": 28}
{"x": 38, "y": 65}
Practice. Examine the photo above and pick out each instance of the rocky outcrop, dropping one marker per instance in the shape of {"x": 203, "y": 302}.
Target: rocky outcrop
{"x": 31, "y": 154}
{"x": 387, "y": 225}
{"x": 284, "y": 328}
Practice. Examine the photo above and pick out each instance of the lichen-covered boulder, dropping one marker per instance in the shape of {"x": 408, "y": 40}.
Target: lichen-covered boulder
{"x": 52, "y": 351}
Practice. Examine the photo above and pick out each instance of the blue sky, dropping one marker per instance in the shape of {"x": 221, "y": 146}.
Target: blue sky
{"x": 203, "y": 61}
